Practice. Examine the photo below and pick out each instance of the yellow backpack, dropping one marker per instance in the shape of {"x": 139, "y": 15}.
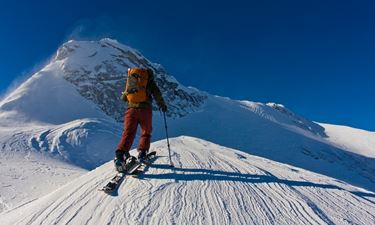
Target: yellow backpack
{"x": 136, "y": 85}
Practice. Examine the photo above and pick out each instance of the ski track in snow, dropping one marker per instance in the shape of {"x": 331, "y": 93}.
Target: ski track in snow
{"x": 209, "y": 185}
{"x": 83, "y": 82}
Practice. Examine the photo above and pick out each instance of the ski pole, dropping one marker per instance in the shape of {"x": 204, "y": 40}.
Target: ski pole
{"x": 169, "y": 148}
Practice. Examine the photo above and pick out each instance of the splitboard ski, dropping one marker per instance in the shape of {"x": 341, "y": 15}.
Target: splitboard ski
{"x": 128, "y": 168}
{"x": 113, "y": 184}
{"x": 133, "y": 169}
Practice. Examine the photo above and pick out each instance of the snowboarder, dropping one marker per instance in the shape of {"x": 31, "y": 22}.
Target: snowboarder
{"x": 139, "y": 90}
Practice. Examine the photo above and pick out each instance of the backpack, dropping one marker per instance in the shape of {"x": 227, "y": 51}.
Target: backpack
{"x": 136, "y": 85}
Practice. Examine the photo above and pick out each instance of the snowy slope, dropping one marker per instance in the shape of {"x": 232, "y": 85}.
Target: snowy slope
{"x": 70, "y": 112}
{"x": 44, "y": 124}
{"x": 351, "y": 139}
{"x": 261, "y": 130}
{"x": 46, "y": 98}
{"x": 211, "y": 184}
{"x": 24, "y": 178}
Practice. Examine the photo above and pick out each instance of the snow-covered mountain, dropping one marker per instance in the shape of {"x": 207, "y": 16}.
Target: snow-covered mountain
{"x": 67, "y": 117}
{"x": 98, "y": 70}
{"x": 211, "y": 184}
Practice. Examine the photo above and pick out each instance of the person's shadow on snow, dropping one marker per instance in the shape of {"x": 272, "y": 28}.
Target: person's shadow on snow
{"x": 193, "y": 174}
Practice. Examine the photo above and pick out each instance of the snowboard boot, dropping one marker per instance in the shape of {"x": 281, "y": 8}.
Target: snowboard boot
{"x": 142, "y": 156}
{"x": 120, "y": 160}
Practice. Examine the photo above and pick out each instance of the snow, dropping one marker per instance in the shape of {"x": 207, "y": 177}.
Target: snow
{"x": 75, "y": 55}
{"x": 258, "y": 129}
{"x": 61, "y": 123}
{"x": 48, "y": 99}
{"x": 351, "y": 139}
{"x": 37, "y": 159}
{"x": 25, "y": 177}
{"x": 211, "y": 184}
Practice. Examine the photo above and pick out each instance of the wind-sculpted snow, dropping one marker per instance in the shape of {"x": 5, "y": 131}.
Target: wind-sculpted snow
{"x": 26, "y": 174}
{"x": 209, "y": 185}
{"x": 85, "y": 143}
{"x": 260, "y": 130}
{"x": 37, "y": 159}
{"x": 69, "y": 111}
{"x": 46, "y": 98}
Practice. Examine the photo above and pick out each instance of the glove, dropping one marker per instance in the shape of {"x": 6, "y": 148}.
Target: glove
{"x": 123, "y": 97}
{"x": 163, "y": 108}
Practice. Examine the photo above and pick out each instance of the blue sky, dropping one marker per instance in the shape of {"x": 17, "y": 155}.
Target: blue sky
{"x": 315, "y": 57}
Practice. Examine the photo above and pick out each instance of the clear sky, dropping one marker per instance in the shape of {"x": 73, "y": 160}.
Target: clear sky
{"x": 315, "y": 57}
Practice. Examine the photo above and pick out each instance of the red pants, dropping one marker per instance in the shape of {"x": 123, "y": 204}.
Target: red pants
{"x": 133, "y": 117}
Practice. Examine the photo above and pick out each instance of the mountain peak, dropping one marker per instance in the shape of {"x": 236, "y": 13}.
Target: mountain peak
{"x": 74, "y": 49}
{"x": 97, "y": 70}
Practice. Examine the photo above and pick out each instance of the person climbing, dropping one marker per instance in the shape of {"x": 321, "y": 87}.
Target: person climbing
{"x": 140, "y": 89}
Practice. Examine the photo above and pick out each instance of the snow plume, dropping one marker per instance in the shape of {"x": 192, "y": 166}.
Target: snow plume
{"x": 92, "y": 29}
{"x": 23, "y": 76}
{"x": 97, "y": 28}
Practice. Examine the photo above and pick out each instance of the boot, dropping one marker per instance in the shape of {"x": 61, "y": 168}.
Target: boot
{"x": 142, "y": 156}
{"x": 120, "y": 159}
